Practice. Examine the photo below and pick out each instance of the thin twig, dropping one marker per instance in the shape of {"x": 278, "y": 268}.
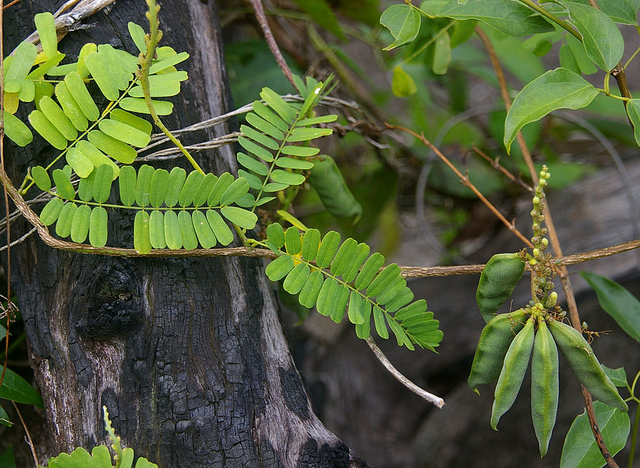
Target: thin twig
{"x": 26, "y": 431}
{"x": 466, "y": 182}
{"x": 495, "y": 163}
{"x": 271, "y": 41}
{"x": 430, "y": 397}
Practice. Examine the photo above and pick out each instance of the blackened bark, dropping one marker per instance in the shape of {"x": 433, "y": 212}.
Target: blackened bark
{"x": 188, "y": 355}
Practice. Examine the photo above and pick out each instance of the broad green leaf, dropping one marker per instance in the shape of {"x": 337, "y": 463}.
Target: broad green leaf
{"x": 369, "y": 270}
{"x": 27, "y": 91}
{"x": 168, "y": 62}
{"x": 15, "y": 388}
{"x": 402, "y": 85}
{"x": 177, "y": 177}
{"x": 47, "y": 130}
{"x": 114, "y": 148}
{"x": 206, "y": 237}
{"x": 97, "y": 157}
{"x": 219, "y": 227}
{"x": 158, "y": 190}
{"x": 70, "y": 107}
{"x": 79, "y": 91}
{"x": 24, "y": 57}
{"x": 296, "y": 278}
{"x": 289, "y": 178}
{"x": 618, "y": 302}
{"x": 81, "y": 222}
{"x": 328, "y": 248}
{"x": 601, "y": 38}
{"x": 567, "y": 59}
{"x": 143, "y": 185}
{"x": 79, "y": 162}
{"x": 239, "y": 216}
{"x": 309, "y": 294}
{"x": 101, "y": 456}
{"x": 580, "y": 449}
{"x": 46, "y": 26}
{"x": 234, "y": 191}
{"x": 102, "y": 183}
{"x": 189, "y": 238}
{"x": 620, "y": 11}
{"x": 441, "y": 54}
{"x": 6, "y": 458}
{"x": 633, "y": 111}
{"x": 279, "y": 268}
{"x": 512, "y": 18}
{"x": 63, "y": 184}
{"x": 98, "y": 231}
{"x": 403, "y": 21}
{"x": 322, "y": 13}
{"x": 141, "y": 241}
{"x": 139, "y": 106}
{"x": 556, "y": 89}
{"x": 617, "y": 376}
{"x": 124, "y": 133}
{"x": 156, "y": 230}
{"x": 16, "y": 130}
{"x": 275, "y": 235}
{"x": 51, "y": 211}
{"x": 144, "y": 463}
{"x": 41, "y": 178}
{"x": 172, "y": 232}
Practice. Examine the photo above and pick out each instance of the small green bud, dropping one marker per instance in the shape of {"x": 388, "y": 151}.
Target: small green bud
{"x": 536, "y": 200}
{"x": 544, "y": 241}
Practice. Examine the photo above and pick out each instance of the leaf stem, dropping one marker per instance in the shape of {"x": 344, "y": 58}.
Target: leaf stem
{"x": 551, "y": 17}
{"x": 145, "y": 61}
{"x": 634, "y": 436}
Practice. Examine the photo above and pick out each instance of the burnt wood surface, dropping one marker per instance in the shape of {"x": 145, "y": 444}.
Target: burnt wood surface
{"x": 188, "y": 355}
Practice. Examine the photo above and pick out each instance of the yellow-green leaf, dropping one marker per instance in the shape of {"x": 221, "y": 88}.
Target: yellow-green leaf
{"x": 46, "y": 26}
{"x": 402, "y": 84}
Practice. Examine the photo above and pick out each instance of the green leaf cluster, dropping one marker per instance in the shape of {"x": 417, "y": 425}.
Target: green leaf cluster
{"x": 174, "y": 209}
{"x": 276, "y": 141}
{"x": 338, "y": 277}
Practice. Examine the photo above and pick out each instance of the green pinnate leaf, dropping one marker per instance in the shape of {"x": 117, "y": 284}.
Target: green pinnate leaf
{"x": 168, "y": 62}
{"x": 358, "y": 257}
{"x": 311, "y": 289}
{"x": 158, "y": 189}
{"x": 47, "y": 130}
{"x": 65, "y": 220}
{"x": 258, "y": 137}
{"x": 194, "y": 179}
{"x": 156, "y": 230}
{"x": 234, "y": 191}
{"x": 254, "y": 148}
{"x": 139, "y": 106}
{"x": 328, "y": 248}
{"x": 172, "y": 232}
{"x": 254, "y": 166}
{"x": 41, "y": 178}
{"x": 70, "y": 107}
{"x": 102, "y": 183}
{"x": 356, "y": 309}
{"x": 189, "y": 238}
{"x": 81, "y": 95}
{"x": 219, "y": 227}
{"x": 297, "y": 278}
{"x": 275, "y": 235}
{"x": 369, "y": 270}
{"x": 282, "y": 108}
{"x": 403, "y": 21}
{"x": 204, "y": 189}
{"x": 289, "y": 178}
{"x": 556, "y": 89}
{"x": 46, "y": 26}
{"x": 116, "y": 149}
{"x": 384, "y": 279}
{"x": 16, "y": 130}
{"x": 177, "y": 178}
{"x": 291, "y": 163}
{"x": 80, "y": 164}
{"x": 310, "y": 244}
{"x": 279, "y": 268}
{"x": 63, "y": 184}
{"x": 380, "y": 323}
{"x": 343, "y": 257}
{"x": 267, "y": 122}
{"x": 51, "y": 211}
{"x": 97, "y": 157}
{"x": 81, "y": 222}
{"x": 292, "y": 241}
{"x": 165, "y": 85}
{"x": 124, "y": 132}
{"x": 239, "y": 216}
{"x": 143, "y": 185}
{"x": 98, "y": 227}
{"x": 141, "y": 240}
{"x": 127, "y": 183}
{"x": 137, "y": 34}
{"x": 219, "y": 189}
{"x": 24, "y": 57}
{"x": 206, "y": 237}
{"x": 404, "y": 296}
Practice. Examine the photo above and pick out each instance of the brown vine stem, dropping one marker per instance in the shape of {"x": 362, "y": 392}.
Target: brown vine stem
{"x": 465, "y": 181}
{"x": 271, "y": 41}
{"x": 553, "y": 239}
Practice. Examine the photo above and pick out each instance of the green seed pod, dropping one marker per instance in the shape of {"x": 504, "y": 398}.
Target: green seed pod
{"x": 497, "y": 281}
{"x": 494, "y": 342}
{"x": 326, "y": 178}
{"x": 545, "y": 387}
{"x": 515, "y": 366}
{"x": 585, "y": 365}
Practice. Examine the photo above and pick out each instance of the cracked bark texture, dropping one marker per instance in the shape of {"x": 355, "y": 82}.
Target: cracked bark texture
{"x": 188, "y": 355}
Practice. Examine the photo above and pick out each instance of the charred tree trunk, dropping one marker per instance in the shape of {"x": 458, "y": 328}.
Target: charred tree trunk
{"x": 188, "y": 355}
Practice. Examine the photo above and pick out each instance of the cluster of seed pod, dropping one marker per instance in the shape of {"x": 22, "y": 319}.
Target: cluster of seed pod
{"x": 510, "y": 340}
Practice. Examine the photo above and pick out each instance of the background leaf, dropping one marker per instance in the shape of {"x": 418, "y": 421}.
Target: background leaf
{"x": 404, "y": 23}
{"x": 15, "y": 388}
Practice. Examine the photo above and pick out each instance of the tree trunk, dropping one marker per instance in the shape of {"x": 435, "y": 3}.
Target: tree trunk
{"x": 188, "y": 355}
